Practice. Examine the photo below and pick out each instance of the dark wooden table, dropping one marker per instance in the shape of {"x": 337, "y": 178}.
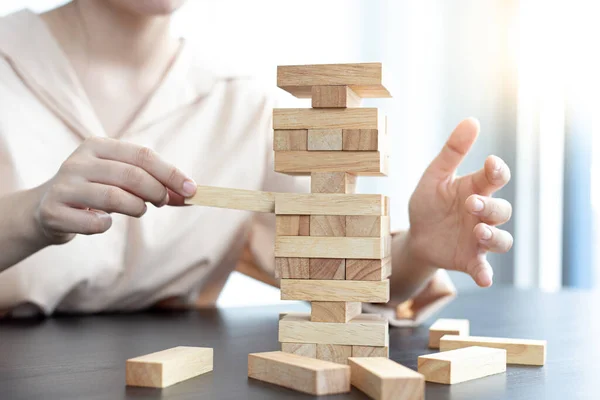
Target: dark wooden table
{"x": 70, "y": 357}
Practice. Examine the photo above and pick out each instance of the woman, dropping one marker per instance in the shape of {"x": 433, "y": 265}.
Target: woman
{"x": 88, "y": 89}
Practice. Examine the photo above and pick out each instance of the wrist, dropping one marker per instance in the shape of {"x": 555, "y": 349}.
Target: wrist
{"x": 25, "y": 222}
{"x": 418, "y": 252}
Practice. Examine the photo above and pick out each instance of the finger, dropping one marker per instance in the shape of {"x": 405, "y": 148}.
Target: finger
{"x": 493, "y": 239}
{"x": 103, "y": 197}
{"x": 456, "y": 148}
{"x": 490, "y": 210}
{"x": 72, "y": 220}
{"x": 492, "y": 177}
{"x": 175, "y": 199}
{"x": 481, "y": 271}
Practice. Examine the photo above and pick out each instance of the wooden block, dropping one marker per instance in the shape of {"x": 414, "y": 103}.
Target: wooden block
{"x": 327, "y": 268}
{"x": 332, "y": 182}
{"x": 365, "y": 79}
{"x": 300, "y": 349}
{"x": 324, "y": 139}
{"x": 328, "y": 225}
{"x": 462, "y": 365}
{"x": 446, "y": 326}
{"x": 167, "y": 367}
{"x": 331, "y": 247}
{"x": 328, "y": 118}
{"x": 360, "y": 140}
{"x": 518, "y": 351}
{"x": 338, "y": 96}
{"x": 367, "y": 225}
{"x": 383, "y": 379}
{"x": 334, "y": 311}
{"x": 238, "y": 199}
{"x": 365, "y": 163}
{"x": 292, "y": 225}
{"x": 329, "y": 204}
{"x": 370, "y": 351}
{"x": 336, "y": 353}
{"x": 292, "y": 268}
{"x": 368, "y": 270}
{"x": 289, "y": 140}
{"x": 333, "y": 290}
{"x": 363, "y": 330}
{"x": 304, "y": 374}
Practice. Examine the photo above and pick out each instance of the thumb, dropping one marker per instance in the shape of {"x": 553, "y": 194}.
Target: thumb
{"x": 456, "y": 148}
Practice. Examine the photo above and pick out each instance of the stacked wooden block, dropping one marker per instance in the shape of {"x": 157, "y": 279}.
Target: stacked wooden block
{"x": 332, "y": 246}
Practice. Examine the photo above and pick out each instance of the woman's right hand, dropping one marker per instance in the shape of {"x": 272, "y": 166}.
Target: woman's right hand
{"x": 106, "y": 176}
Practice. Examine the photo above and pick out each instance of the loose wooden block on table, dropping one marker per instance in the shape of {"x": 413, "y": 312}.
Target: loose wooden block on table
{"x": 338, "y": 96}
{"x": 167, "y": 367}
{"x": 383, "y": 379}
{"x": 367, "y": 225}
{"x": 447, "y": 326}
{"x": 300, "y": 349}
{"x": 332, "y": 182}
{"x": 518, "y": 351}
{"x": 327, "y": 268}
{"x": 304, "y": 374}
{"x": 335, "y": 290}
{"x": 331, "y": 247}
{"x": 368, "y": 270}
{"x": 360, "y": 139}
{"x": 324, "y": 139}
{"x": 330, "y": 204}
{"x": 365, "y": 163}
{"x": 462, "y": 365}
{"x": 290, "y": 139}
{"x": 337, "y": 353}
{"x": 334, "y": 311}
{"x": 370, "y": 351}
{"x": 363, "y": 330}
{"x": 328, "y": 225}
{"x": 328, "y": 118}
{"x": 238, "y": 199}
{"x": 292, "y": 225}
{"x": 292, "y": 268}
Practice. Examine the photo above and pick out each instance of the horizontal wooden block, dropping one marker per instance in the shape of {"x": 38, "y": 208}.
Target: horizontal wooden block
{"x": 368, "y": 270}
{"x": 518, "y": 351}
{"x": 329, "y": 204}
{"x": 334, "y": 311}
{"x": 363, "y": 330}
{"x": 332, "y": 182}
{"x": 311, "y": 290}
{"x": 167, "y": 367}
{"x": 339, "y": 96}
{"x": 292, "y": 225}
{"x": 292, "y": 268}
{"x": 365, "y": 79}
{"x": 331, "y": 247}
{"x": 383, "y": 379}
{"x": 336, "y": 353}
{"x": 447, "y": 326}
{"x": 328, "y": 225}
{"x": 365, "y": 163}
{"x": 462, "y": 365}
{"x": 327, "y": 268}
{"x": 304, "y": 374}
{"x": 300, "y": 349}
{"x": 367, "y": 225}
{"x": 328, "y": 118}
{"x": 238, "y": 199}
{"x": 370, "y": 351}
{"x": 289, "y": 140}
{"x": 360, "y": 140}
{"x": 324, "y": 139}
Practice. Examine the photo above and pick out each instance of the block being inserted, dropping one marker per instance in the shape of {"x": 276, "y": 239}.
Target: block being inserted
{"x": 338, "y": 96}
{"x": 327, "y": 268}
{"x": 368, "y": 270}
{"x": 370, "y": 351}
{"x": 336, "y": 353}
{"x": 167, "y": 367}
{"x": 327, "y": 225}
{"x": 304, "y": 374}
{"x": 292, "y": 225}
{"x": 462, "y": 365}
{"x": 383, "y": 379}
{"x": 290, "y": 140}
{"x": 332, "y": 182}
{"x": 324, "y": 139}
{"x": 446, "y": 326}
{"x": 334, "y": 311}
{"x": 336, "y": 290}
{"x": 292, "y": 268}
{"x": 300, "y": 349}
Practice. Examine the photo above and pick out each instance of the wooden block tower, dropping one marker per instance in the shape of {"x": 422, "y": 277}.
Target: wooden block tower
{"x": 332, "y": 246}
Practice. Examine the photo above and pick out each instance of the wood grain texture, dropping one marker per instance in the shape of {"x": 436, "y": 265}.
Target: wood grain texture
{"x": 328, "y": 225}
{"x": 383, "y": 379}
{"x": 304, "y": 374}
{"x": 300, "y": 349}
{"x": 368, "y": 270}
{"x": 332, "y": 182}
{"x": 370, "y": 351}
{"x": 292, "y": 225}
{"x": 462, "y": 365}
{"x": 334, "y": 290}
{"x": 337, "y": 353}
{"x": 238, "y": 199}
{"x": 447, "y": 326}
{"x": 518, "y": 351}
{"x": 334, "y": 311}
{"x": 167, "y": 367}
{"x": 338, "y": 96}
{"x": 367, "y": 225}
{"x": 365, "y": 163}
{"x": 328, "y": 118}
{"x": 363, "y": 330}
{"x": 329, "y": 204}
{"x": 360, "y": 140}
{"x": 289, "y": 140}
{"x": 292, "y": 268}
{"x": 327, "y": 268}
{"x": 331, "y": 247}
{"x": 324, "y": 139}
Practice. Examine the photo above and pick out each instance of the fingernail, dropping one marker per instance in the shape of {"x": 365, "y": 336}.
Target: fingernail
{"x": 189, "y": 188}
{"x": 485, "y": 276}
{"x": 478, "y": 205}
{"x": 486, "y": 234}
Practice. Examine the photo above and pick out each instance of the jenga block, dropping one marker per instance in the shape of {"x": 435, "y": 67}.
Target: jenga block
{"x": 336, "y": 353}
{"x": 334, "y": 97}
{"x": 360, "y": 140}
{"x": 334, "y": 311}
{"x": 368, "y": 270}
{"x": 328, "y": 225}
{"x": 292, "y": 225}
{"x": 370, "y": 351}
{"x": 331, "y": 247}
{"x": 462, "y": 365}
{"x": 446, "y": 326}
{"x": 332, "y": 182}
{"x": 518, "y": 351}
{"x": 292, "y": 268}
{"x": 324, "y": 139}
{"x": 365, "y": 79}
{"x": 167, "y": 367}
{"x": 238, "y": 199}
{"x": 383, "y": 379}
{"x": 329, "y": 204}
{"x": 300, "y": 349}
{"x": 304, "y": 374}
{"x": 328, "y": 118}
{"x": 365, "y": 163}
{"x": 367, "y": 225}
{"x": 334, "y": 290}
{"x": 363, "y": 330}
{"x": 291, "y": 139}
{"x": 327, "y": 268}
